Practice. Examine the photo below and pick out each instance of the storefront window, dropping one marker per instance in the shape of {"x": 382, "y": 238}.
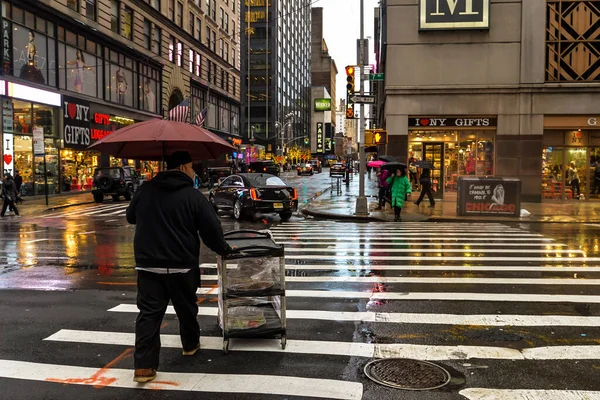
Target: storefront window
{"x": 79, "y": 70}
{"x": 150, "y": 78}
{"x": 33, "y": 55}
{"x": 77, "y": 169}
{"x": 23, "y": 159}
{"x": 594, "y": 173}
{"x": 50, "y": 169}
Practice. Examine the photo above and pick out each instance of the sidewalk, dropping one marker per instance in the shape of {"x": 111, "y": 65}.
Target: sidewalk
{"x": 341, "y": 206}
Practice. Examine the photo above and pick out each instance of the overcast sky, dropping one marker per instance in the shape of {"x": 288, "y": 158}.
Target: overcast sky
{"x": 341, "y": 27}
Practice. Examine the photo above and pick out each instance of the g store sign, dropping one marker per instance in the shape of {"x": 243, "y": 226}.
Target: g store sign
{"x": 593, "y": 121}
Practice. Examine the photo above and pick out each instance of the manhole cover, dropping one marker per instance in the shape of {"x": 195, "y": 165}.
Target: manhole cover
{"x": 406, "y": 374}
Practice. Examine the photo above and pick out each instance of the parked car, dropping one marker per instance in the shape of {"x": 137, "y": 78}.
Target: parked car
{"x": 316, "y": 165}
{"x": 305, "y": 169}
{"x": 268, "y": 167}
{"x": 115, "y": 182}
{"x": 252, "y": 194}
{"x": 337, "y": 169}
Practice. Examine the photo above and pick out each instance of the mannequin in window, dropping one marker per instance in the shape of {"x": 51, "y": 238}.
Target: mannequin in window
{"x": 79, "y": 64}
{"x": 121, "y": 85}
{"x": 149, "y": 95}
{"x": 30, "y": 71}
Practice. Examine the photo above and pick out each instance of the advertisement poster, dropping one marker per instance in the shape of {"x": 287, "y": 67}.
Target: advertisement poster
{"x": 489, "y": 196}
{"x": 38, "y": 141}
{"x": 8, "y": 154}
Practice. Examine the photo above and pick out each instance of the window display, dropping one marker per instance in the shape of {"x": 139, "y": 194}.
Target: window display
{"x": 77, "y": 169}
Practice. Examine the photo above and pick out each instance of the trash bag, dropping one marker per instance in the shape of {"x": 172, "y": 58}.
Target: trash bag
{"x": 525, "y": 213}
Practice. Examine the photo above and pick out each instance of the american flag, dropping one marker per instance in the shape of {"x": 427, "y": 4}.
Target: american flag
{"x": 201, "y": 117}
{"x": 180, "y": 113}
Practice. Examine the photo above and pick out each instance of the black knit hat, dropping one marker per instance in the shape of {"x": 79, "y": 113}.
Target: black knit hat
{"x": 178, "y": 158}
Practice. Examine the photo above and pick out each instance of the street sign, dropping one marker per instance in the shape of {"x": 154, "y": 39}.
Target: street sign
{"x": 363, "y": 99}
{"x": 376, "y": 77}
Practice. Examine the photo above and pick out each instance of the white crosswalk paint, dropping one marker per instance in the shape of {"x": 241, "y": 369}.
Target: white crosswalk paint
{"x": 394, "y": 243}
{"x": 89, "y": 211}
{"x": 443, "y": 296}
{"x": 189, "y": 382}
{"x": 440, "y": 257}
{"x": 336, "y": 249}
{"x": 392, "y": 239}
{"x": 350, "y": 234}
{"x": 391, "y": 230}
{"x": 436, "y": 281}
{"x": 440, "y": 268}
{"x": 411, "y": 318}
{"x": 524, "y": 394}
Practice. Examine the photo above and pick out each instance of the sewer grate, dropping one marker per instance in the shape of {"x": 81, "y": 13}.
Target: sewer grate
{"x": 407, "y": 374}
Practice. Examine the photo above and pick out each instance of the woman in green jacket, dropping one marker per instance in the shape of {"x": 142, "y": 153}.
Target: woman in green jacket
{"x": 400, "y": 188}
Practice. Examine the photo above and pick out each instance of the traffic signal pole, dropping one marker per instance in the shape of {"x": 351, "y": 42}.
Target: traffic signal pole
{"x": 362, "y": 207}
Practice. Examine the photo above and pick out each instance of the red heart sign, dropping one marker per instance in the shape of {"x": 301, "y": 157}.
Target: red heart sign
{"x": 424, "y": 121}
{"x": 578, "y": 135}
{"x": 8, "y": 159}
{"x": 72, "y": 110}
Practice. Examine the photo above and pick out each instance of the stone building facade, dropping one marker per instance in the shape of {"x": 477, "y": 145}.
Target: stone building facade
{"x": 494, "y": 88}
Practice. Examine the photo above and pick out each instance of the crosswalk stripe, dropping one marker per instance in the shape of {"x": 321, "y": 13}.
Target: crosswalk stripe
{"x": 411, "y": 318}
{"x": 436, "y": 281}
{"x": 445, "y": 296}
{"x": 394, "y": 243}
{"x": 349, "y": 349}
{"x": 189, "y": 382}
{"x": 528, "y": 394}
{"x": 86, "y": 212}
{"x": 440, "y": 257}
{"x": 347, "y": 234}
{"x": 336, "y": 249}
{"x": 440, "y": 268}
{"x": 390, "y": 230}
{"x": 392, "y": 239}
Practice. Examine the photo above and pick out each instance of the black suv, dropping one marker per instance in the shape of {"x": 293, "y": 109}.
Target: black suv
{"x": 264, "y": 166}
{"x": 115, "y": 182}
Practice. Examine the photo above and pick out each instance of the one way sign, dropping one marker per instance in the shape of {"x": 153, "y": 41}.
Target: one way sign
{"x": 363, "y": 99}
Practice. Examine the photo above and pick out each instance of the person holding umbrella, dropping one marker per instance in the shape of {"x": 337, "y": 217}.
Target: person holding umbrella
{"x": 170, "y": 218}
{"x": 425, "y": 181}
{"x": 400, "y": 188}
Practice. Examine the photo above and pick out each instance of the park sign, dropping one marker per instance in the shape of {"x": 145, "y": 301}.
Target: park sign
{"x": 454, "y": 14}
{"x": 322, "y": 104}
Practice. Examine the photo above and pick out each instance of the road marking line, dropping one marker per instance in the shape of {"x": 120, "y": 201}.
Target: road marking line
{"x": 87, "y": 233}
{"x": 420, "y": 234}
{"x": 441, "y": 268}
{"x": 83, "y": 212}
{"x": 594, "y": 225}
{"x": 389, "y": 230}
{"x": 36, "y": 240}
{"x": 432, "y": 280}
{"x": 392, "y": 239}
{"x": 336, "y": 249}
{"x": 450, "y": 296}
{"x": 189, "y": 382}
{"x": 411, "y": 318}
{"x": 116, "y": 212}
{"x": 395, "y": 243}
{"x": 437, "y": 258}
{"x": 526, "y": 394}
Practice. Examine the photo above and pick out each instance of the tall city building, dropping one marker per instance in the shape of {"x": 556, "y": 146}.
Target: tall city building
{"x": 275, "y": 53}
{"x": 73, "y": 71}
{"x": 494, "y": 88}
{"x": 323, "y": 68}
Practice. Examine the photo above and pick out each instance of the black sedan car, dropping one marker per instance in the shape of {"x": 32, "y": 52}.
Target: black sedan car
{"x": 305, "y": 169}
{"x": 337, "y": 169}
{"x": 253, "y": 194}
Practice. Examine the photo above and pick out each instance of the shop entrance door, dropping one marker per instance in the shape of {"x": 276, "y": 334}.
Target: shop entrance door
{"x": 434, "y": 153}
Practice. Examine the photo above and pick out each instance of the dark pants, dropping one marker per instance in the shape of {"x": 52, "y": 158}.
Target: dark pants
{"x": 596, "y": 186}
{"x": 426, "y": 189}
{"x": 154, "y": 293}
{"x": 7, "y": 204}
{"x": 397, "y": 211}
{"x": 382, "y": 192}
{"x": 575, "y": 186}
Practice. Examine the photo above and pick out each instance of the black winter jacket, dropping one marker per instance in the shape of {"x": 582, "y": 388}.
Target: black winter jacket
{"x": 169, "y": 213}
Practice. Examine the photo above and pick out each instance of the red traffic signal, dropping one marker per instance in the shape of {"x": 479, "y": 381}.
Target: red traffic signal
{"x": 350, "y": 70}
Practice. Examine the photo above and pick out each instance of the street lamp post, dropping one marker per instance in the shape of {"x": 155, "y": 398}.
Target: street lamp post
{"x": 362, "y": 207}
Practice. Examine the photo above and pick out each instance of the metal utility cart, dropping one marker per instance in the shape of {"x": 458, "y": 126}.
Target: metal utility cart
{"x": 252, "y": 295}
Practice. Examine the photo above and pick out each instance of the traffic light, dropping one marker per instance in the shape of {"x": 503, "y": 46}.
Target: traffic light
{"x": 350, "y": 79}
{"x": 349, "y": 113}
{"x": 306, "y": 141}
{"x": 379, "y": 137}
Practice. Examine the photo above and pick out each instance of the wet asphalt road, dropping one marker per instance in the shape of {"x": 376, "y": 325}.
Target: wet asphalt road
{"x": 502, "y": 306}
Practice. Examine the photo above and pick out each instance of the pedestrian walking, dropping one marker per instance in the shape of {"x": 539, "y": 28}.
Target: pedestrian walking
{"x": 425, "y": 182}
{"x": 9, "y": 195}
{"x": 383, "y": 175}
{"x": 169, "y": 214}
{"x": 18, "y": 184}
{"x": 574, "y": 179}
{"x": 400, "y": 189}
{"x": 596, "y": 187}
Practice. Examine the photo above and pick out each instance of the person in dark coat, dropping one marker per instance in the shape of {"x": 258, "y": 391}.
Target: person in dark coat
{"x": 425, "y": 181}
{"x": 9, "y": 195}
{"x": 18, "y": 184}
{"x": 383, "y": 187}
{"x": 170, "y": 218}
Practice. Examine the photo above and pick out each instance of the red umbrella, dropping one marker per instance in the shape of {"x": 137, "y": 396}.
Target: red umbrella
{"x": 157, "y": 138}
